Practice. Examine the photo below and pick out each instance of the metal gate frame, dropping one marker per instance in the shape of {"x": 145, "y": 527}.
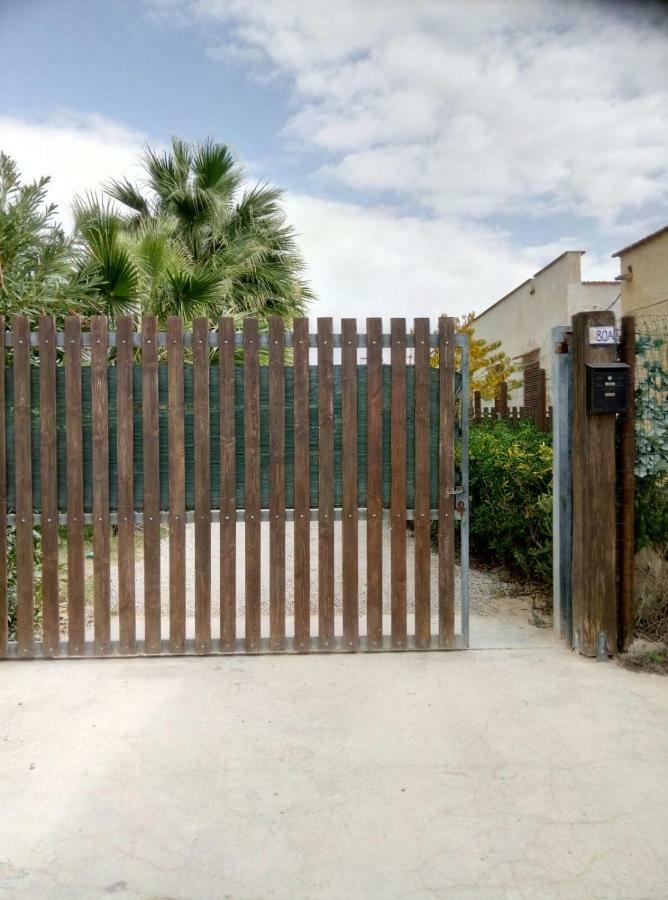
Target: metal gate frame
{"x": 30, "y": 418}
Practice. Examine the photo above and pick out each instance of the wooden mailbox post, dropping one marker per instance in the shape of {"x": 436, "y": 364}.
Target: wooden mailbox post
{"x": 594, "y": 522}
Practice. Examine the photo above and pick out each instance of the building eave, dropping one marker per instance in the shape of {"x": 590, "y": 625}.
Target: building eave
{"x": 528, "y": 281}
{"x": 643, "y": 240}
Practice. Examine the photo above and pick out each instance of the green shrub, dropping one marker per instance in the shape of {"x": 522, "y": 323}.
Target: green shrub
{"x": 651, "y": 462}
{"x": 651, "y": 469}
{"x": 510, "y": 486}
{"x": 652, "y": 512}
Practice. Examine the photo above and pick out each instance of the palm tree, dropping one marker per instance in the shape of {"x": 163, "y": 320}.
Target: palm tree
{"x": 193, "y": 242}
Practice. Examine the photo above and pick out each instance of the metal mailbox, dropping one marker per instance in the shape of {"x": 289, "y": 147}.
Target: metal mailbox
{"x": 607, "y": 387}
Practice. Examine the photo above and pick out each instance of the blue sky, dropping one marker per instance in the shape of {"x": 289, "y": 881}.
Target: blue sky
{"x": 434, "y": 154}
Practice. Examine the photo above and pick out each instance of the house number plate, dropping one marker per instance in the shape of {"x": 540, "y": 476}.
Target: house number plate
{"x": 602, "y": 334}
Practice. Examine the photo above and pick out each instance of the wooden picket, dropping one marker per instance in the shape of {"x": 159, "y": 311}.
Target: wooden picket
{"x": 127, "y": 441}
{"x": 276, "y": 485}
{"x": 228, "y": 506}
{"x": 177, "y": 487}
{"x": 100, "y": 476}
{"x": 151, "y": 481}
{"x": 49, "y": 492}
{"x": 75, "y": 502}
{"x": 325, "y": 485}
{"x": 22, "y": 450}
{"x": 374, "y": 487}
{"x": 202, "y": 486}
{"x": 398, "y": 489}
{"x": 422, "y": 492}
{"x": 302, "y": 504}
{"x": 125, "y": 486}
{"x": 349, "y": 528}
{"x": 252, "y": 463}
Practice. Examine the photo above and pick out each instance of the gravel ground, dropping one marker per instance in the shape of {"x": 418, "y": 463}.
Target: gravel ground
{"x": 490, "y": 592}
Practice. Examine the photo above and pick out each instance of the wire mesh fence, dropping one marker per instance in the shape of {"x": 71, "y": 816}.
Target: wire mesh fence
{"x": 651, "y": 472}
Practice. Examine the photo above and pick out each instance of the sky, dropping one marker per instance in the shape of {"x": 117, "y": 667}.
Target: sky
{"x": 434, "y": 153}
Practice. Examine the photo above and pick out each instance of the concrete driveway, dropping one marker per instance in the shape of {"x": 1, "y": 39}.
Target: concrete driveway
{"x": 520, "y": 773}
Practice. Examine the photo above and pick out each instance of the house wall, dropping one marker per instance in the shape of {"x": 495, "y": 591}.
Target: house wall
{"x": 523, "y": 319}
{"x": 646, "y": 292}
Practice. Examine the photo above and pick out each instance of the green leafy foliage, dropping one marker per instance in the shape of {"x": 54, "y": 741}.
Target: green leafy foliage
{"x": 652, "y": 513}
{"x": 38, "y": 261}
{"x": 651, "y": 463}
{"x": 652, "y": 407}
{"x": 511, "y": 496}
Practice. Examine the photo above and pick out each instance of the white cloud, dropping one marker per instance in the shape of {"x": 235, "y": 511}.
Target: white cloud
{"x": 371, "y": 258}
{"x": 388, "y": 264}
{"x": 79, "y": 152}
{"x": 471, "y": 108}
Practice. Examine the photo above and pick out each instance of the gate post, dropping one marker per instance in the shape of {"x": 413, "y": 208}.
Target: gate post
{"x": 561, "y": 482}
{"x": 593, "y": 485}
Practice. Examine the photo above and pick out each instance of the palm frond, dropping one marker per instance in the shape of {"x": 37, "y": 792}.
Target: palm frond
{"x": 182, "y": 160}
{"x": 195, "y": 293}
{"x": 128, "y": 194}
{"x": 215, "y": 170}
{"x": 163, "y": 177}
{"x": 109, "y": 258}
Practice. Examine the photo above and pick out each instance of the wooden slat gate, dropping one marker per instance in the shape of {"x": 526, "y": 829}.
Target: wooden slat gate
{"x": 115, "y": 442}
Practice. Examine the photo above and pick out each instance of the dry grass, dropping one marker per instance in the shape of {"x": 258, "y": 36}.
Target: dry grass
{"x": 655, "y": 661}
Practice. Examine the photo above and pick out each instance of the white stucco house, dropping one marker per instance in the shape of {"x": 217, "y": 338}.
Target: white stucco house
{"x": 523, "y": 319}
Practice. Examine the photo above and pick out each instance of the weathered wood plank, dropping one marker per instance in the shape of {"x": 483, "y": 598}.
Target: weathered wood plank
{"x": 48, "y": 485}
{"x": 252, "y": 483}
{"x": 374, "y": 490}
{"x": 23, "y": 479}
{"x": 398, "y": 481}
{"x": 125, "y": 474}
{"x": 349, "y": 474}
{"x": 593, "y": 474}
{"x": 4, "y": 625}
{"x": 422, "y": 487}
{"x": 302, "y": 533}
{"x": 74, "y": 443}
{"x": 100, "y": 478}
{"x": 446, "y": 482}
{"x": 325, "y": 485}
{"x": 228, "y": 501}
{"x": 151, "y": 473}
{"x": 276, "y": 485}
{"x": 202, "y": 486}
{"x": 177, "y": 486}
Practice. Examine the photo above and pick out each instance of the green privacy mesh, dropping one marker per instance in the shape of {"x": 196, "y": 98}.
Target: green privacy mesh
{"x": 214, "y": 426}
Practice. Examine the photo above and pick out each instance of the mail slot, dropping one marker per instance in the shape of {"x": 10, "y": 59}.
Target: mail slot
{"x": 607, "y": 387}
